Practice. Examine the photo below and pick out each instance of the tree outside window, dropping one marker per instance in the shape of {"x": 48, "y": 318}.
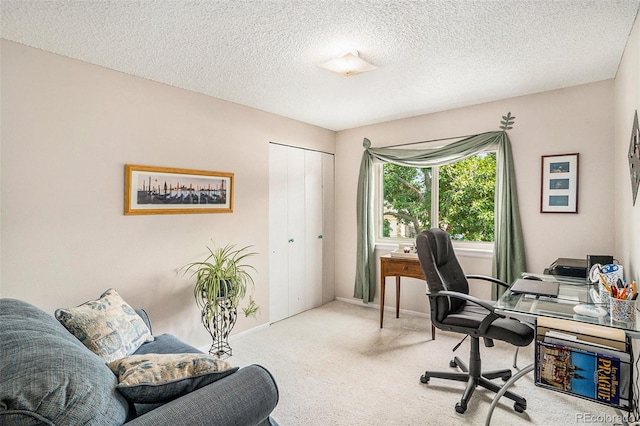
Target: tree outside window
{"x": 463, "y": 201}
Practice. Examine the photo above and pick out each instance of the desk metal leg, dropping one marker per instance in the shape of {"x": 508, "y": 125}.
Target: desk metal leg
{"x": 504, "y": 389}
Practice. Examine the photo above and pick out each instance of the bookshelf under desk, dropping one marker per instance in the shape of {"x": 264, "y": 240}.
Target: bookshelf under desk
{"x": 572, "y": 291}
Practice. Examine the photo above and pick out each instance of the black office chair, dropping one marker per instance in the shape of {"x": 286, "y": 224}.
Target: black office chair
{"x": 453, "y": 309}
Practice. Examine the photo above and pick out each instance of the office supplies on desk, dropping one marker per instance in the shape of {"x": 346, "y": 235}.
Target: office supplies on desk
{"x": 614, "y": 287}
{"x": 542, "y": 288}
{"x": 590, "y": 310}
{"x": 623, "y": 310}
{"x": 531, "y": 277}
{"x": 597, "y": 259}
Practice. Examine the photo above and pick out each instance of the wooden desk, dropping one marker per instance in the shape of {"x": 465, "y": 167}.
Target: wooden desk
{"x": 399, "y": 267}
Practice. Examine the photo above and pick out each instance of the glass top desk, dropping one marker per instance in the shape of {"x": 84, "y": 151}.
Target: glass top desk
{"x": 571, "y": 292}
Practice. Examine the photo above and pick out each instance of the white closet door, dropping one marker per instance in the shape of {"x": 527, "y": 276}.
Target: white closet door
{"x": 278, "y": 242}
{"x": 296, "y": 230}
{"x": 328, "y": 229}
{"x": 301, "y": 228}
{"x": 313, "y": 225}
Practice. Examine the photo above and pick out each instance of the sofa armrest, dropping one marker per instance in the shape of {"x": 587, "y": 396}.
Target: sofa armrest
{"x": 246, "y": 397}
{"x": 145, "y": 317}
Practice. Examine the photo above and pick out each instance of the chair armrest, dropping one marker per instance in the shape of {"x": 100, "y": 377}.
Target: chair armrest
{"x": 487, "y": 278}
{"x": 464, "y": 296}
{"x": 492, "y": 315}
{"x": 246, "y": 397}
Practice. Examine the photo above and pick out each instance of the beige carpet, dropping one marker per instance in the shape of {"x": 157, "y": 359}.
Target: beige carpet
{"x": 335, "y": 366}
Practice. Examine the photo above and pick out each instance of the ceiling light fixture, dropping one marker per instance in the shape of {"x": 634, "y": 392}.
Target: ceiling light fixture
{"x": 348, "y": 64}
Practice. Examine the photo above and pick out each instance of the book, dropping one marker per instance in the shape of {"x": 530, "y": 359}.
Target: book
{"x": 587, "y": 346}
{"x": 599, "y": 377}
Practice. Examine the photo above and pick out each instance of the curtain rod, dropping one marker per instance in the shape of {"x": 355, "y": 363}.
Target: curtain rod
{"x": 506, "y": 123}
{"x": 432, "y": 140}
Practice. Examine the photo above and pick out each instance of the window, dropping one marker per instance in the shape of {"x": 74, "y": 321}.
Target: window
{"x": 460, "y": 195}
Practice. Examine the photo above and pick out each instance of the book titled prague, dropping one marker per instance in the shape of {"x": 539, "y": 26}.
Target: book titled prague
{"x": 587, "y": 374}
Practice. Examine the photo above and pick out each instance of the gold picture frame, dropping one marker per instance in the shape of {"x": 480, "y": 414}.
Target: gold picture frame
{"x": 167, "y": 190}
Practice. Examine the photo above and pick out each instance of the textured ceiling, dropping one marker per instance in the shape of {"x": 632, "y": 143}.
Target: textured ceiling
{"x": 431, "y": 55}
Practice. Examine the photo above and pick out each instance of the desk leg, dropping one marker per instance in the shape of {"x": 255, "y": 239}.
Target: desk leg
{"x": 504, "y": 389}
{"x": 382, "y": 285}
{"x": 397, "y": 296}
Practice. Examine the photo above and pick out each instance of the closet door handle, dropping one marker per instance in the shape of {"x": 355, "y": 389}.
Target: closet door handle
{"x": 291, "y": 240}
{"x": 320, "y": 236}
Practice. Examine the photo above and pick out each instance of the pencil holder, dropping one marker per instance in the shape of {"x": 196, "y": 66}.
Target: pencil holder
{"x": 605, "y": 296}
{"x": 623, "y": 310}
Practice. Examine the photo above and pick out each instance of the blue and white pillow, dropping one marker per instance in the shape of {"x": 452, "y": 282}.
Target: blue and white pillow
{"x": 109, "y": 327}
{"x": 157, "y": 378}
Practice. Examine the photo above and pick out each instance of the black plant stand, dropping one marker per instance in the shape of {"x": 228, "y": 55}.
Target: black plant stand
{"x": 220, "y": 327}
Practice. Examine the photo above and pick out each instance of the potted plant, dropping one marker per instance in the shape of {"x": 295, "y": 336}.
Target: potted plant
{"x": 222, "y": 280}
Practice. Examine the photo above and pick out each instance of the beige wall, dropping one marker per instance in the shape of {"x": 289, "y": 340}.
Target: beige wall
{"x": 68, "y": 129}
{"x": 577, "y": 119}
{"x": 627, "y": 101}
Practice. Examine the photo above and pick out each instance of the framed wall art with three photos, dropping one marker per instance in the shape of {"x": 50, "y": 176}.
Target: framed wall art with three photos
{"x": 559, "y": 188}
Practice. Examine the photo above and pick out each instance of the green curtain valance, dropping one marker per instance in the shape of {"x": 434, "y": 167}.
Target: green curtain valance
{"x": 508, "y": 256}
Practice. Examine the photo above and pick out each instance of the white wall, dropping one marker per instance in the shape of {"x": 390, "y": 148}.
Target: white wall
{"x": 627, "y": 101}
{"x": 577, "y": 119}
{"x": 68, "y": 129}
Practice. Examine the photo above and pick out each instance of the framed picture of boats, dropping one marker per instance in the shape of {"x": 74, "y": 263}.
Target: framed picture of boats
{"x": 164, "y": 190}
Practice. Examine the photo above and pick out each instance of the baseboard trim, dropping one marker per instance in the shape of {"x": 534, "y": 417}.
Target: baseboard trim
{"x": 249, "y": 331}
{"x": 386, "y": 308}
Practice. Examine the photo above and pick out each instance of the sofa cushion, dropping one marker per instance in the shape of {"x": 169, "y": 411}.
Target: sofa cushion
{"x": 153, "y": 378}
{"x": 48, "y": 377}
{"x": 107, "y": 326}
{"x": 166, "y": 344}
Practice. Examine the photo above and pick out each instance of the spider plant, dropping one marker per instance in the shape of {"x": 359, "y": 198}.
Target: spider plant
{"x": 222, "y": 276}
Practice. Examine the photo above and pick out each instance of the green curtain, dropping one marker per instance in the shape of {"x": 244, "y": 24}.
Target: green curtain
{"x": 508, "y": 258}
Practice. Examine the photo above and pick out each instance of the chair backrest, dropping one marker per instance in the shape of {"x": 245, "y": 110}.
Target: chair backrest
{"x": 441, "y": 269}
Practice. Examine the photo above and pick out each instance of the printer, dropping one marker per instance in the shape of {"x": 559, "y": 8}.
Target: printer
{"x": 576, "y": 267}
{"x": 568, "y": 267}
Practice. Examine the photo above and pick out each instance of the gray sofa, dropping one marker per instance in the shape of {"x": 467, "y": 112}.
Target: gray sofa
{"x": 49, "y": 377}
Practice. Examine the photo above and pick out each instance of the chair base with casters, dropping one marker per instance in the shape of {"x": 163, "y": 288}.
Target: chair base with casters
{"x": 474, "y": 377}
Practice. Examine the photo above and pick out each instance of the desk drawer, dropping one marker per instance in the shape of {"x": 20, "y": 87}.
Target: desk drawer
{"x": 402, "y": 268}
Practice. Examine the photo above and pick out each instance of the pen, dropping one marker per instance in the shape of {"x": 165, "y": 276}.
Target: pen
{"x": 604, "y": 283}
{"x": 622, "y": 292}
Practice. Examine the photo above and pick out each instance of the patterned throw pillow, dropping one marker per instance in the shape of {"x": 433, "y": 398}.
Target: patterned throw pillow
{"x": 157, "y": 378}
{"x": 108, "y": 326}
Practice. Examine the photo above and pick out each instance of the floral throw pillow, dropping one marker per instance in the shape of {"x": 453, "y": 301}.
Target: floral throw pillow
{"x": 157, "y": 378}
{"x": 108, "y": 326}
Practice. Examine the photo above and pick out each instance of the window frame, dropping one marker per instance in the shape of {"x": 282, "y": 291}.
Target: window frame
{"x": 482, "y": 249}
